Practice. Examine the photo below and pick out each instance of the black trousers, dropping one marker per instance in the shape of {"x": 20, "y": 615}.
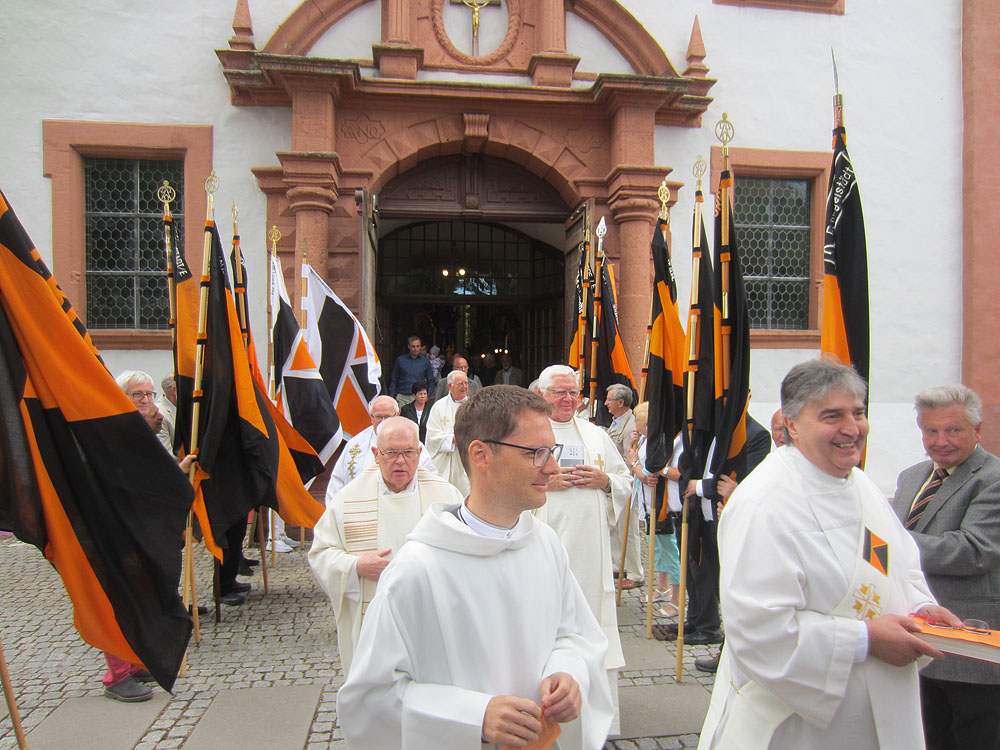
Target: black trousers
{"x": 960, "y": 715}
{"x": 703, "y": 581}
{"x": 231, "y": 556}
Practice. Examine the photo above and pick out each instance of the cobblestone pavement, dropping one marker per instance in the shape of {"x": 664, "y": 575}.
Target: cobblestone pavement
{"x": 286, "y": 637}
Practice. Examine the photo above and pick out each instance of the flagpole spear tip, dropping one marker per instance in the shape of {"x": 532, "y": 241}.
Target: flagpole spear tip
{"x": 664, "y": 195}
{"x": 166, "y": 194}
{"x": 274, "y": 235}
{"x": 725, "y": 132}
{"x": 699, "y": 169}
{"x": 211, "y": 185}
{"x": 602, "y": 229}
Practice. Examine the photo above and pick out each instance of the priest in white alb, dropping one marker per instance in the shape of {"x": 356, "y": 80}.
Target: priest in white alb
{"x": 585, "y": 498}
{"x": 479, "y": 633}
{"x": 441, "y": 432}
{"x": 367, "y": 522}
{"x": 356, "y": 456}
{"x": 818, "y": 579}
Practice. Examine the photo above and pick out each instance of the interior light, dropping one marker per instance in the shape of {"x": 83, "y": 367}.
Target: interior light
{"x": 444, "y": 271}
{"x": 461, "y": 272}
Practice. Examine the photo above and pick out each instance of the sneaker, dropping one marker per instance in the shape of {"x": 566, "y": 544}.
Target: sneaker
{"x": 289, "y": 541}
{"x": 279, "y": 546}
{"x": 129, "y": 691}
{"x": 708, "y": 664}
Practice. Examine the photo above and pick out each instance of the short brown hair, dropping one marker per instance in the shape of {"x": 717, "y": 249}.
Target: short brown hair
{"x": 492, "y": 414}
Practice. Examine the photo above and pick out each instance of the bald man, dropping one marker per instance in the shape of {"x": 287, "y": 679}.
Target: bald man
{"x": 357, "y": 454}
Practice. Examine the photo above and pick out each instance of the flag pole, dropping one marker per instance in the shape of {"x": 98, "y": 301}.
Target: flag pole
{"x": 166, "y": 195}
{"x": 197, "y": 395}
{"x": 274, "y": 235}
{"x": 303, "y": 325}
{"x": 583, "y": 322}
{"x": 602, "y": 229}
{"x": 664, "y": 221}
{"x": 8, "y": 694}
{"x": 724, "y": 131}
{"x": 243, "y": 315}
{"x": 693, "y": 334}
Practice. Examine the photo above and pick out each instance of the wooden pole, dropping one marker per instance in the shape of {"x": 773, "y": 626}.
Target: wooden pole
{"x": 8, "y": 694}
{"x": 243, "y": 315}
{"x": 595, "y": 324}
{"x": 166, "y": 194}
{"x": 682, "y": 602}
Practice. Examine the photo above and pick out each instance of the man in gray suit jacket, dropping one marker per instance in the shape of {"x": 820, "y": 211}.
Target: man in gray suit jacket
{"x": 951, "y": 506}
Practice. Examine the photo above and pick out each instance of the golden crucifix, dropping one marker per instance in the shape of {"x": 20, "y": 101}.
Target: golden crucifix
{"x": 476, "y": 6}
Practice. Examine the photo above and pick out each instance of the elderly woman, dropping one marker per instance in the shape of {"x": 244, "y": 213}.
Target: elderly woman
{"x": 667, "y": 561}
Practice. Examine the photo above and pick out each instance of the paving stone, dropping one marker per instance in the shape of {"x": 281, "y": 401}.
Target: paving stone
{"x": 285, "y": 638}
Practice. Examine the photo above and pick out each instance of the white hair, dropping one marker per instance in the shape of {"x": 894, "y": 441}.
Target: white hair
{"x": 550, "y": 373}
{"x": 453, "y": 376}
{"x": 140, "y": 377}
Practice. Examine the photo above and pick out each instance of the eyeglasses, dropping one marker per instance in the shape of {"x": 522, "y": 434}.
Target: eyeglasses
{"x": 140, "y": 395}
{"x": 539, "y": 456}
{"x": 408, "y": 455}
{"x": 559, "y": 393}
{"x": 969, "y": 625}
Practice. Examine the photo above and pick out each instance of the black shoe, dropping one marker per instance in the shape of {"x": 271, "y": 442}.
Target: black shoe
{"x": 672, "y": 627}
{"x": 245, "y": 570}
{"x": 251, "y": 562}
{"x": 708, "y": 664}
{"x": 232, "y": 599}
{"x": 702, "y": 638}
{"x": 144, "y": 676}
{"x": 238, "y": 587}
{"x": 202, "y": 610}
{"x": 128, "y": 691}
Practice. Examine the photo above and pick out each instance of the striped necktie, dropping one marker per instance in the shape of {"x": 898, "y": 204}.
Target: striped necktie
{"x": 932, "y": 486}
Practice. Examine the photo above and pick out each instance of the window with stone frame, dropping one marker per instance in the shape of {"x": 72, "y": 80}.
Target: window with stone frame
{"x": 779, "y": 203}
{"x": 125, "y": 263}
{"x": 772, "y": 230}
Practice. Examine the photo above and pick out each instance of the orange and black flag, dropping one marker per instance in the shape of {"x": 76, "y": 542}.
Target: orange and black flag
{"x": 732, "y": 340}
{"x": 298, "y": 385}
{"x": 612, "y": 362}
{"x": 82, "y": 477}
{"x": 238, "y": 452}
{"x": 298, "y": 463}
{"x": 185, "y": 329}
{"x": 665, "y": 381}
{"x": 578, "y": 341}
{"x": 699, "y": 353}
{"x": 845, "y": 266}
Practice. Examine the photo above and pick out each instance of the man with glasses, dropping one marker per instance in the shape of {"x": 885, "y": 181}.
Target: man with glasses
{"x": 586, "y": 495}
{"x": 441, "y": 432}
{"x": 479, "y": 632}
{"x": 951, "y": 507}
{"x": 366, "y": 523}
{"x": 356, "y": 456}
{"x": 460, "y": 364}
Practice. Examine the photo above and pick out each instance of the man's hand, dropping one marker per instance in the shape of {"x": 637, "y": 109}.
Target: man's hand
{"x": 891, "y": 639}
{"x": 649, "y": 479}
{"x": 692, "y": 488}
{"x": 561, "y": 480}
{"x": 187, "y": 462}
{"x": 590, "y": 478}
{"x": 372, "y": 564}
{"x": 511, "y": 721}
{"x": 938, "y": 614}
{"x": 561, "y": 700}
{"x": 725, "y": 486}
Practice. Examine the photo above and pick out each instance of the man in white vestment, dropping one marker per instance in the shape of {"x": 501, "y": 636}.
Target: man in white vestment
{"x": 585, "y": 497}
{"x": 817, "y": 579}
{"x": 357, "y": 455}
{"x": 441, "y": 432}
{"x": 366, "y": 524}
{"x": 478, "y": 631}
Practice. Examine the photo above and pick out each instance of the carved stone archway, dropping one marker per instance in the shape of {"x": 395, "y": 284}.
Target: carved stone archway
{"x": 589, "y": 141}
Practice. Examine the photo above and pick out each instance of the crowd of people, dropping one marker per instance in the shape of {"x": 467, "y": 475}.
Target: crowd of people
{"x": 472, "y": 540}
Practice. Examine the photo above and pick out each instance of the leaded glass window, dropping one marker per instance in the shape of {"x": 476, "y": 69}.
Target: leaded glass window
{"x": 125, "y": 262}
{"x": 773, "y": 230}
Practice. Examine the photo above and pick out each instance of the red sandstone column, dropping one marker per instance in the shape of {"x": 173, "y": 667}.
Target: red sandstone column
{"x": 981, "y": 222}
{"x": 634, "y": 217}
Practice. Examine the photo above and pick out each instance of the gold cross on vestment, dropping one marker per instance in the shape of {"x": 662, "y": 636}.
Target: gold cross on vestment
{"x": 476, "y": 6}
{"x": 599, "y": 462}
